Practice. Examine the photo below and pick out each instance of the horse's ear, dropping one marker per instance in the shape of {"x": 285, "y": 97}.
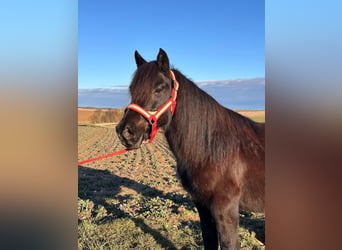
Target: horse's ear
{"x": 163, "y": 61}
{"x": 138, "y": 59}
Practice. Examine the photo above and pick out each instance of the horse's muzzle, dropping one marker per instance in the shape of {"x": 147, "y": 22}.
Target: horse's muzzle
{"x": 128, "y": 137}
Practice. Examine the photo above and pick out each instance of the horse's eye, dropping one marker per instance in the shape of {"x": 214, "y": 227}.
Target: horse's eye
{"x": 159, "y": 89}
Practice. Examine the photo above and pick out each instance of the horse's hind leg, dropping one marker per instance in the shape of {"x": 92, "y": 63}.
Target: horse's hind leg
{"x": 226, "y": 214}
{"x": 209, "y": 232}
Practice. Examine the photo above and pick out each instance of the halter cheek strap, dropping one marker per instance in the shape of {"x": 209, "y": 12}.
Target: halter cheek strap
{"x": 153, "y": 116}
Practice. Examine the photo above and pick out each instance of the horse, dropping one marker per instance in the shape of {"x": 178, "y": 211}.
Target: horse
{"x": 219, "y": 153}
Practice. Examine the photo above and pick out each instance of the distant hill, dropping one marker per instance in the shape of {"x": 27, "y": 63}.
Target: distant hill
{"x": 238, "y": 93}
{"x": 234, "y": 94}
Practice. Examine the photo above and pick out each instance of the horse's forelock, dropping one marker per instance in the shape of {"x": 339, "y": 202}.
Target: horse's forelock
{"x": 142, "y": 82}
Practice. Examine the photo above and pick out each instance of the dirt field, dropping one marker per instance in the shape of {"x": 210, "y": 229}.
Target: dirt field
{"x": 84, "y": 114}
{"x": 252, "y": 113}
{"x": 135, "y": 201}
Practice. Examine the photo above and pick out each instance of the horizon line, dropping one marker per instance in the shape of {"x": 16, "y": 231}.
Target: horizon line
{"x": 199, "y": 82}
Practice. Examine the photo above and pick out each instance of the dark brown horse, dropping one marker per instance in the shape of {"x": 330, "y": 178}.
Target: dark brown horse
{"x": 219, "y": 153}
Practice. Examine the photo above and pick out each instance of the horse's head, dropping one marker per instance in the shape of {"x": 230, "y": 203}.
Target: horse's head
{"x": 152, "y": 91}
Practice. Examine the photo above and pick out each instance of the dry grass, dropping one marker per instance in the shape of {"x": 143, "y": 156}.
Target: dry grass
{"x": 89, "y": 116}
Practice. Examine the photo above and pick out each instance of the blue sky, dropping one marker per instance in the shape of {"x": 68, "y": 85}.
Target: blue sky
{"x": 206, "y": 40}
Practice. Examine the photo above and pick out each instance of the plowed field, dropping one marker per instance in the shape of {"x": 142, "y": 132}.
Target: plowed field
{"x": 135, "y": 200}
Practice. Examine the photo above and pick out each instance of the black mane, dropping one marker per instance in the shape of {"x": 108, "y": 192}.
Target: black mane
{"x": 207, "y": 130}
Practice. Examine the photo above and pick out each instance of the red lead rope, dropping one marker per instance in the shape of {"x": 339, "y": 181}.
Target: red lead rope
{"x": 104, "y": 156}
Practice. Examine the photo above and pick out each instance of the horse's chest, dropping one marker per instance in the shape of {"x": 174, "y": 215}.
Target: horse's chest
{"x": 199, "y": 183}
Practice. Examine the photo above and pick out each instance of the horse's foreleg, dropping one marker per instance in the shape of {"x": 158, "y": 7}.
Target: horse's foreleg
{"x": 226, "y": 214}
{"x": 209, "y": 232}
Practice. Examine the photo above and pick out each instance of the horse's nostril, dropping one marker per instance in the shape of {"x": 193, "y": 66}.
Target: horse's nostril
{"x": 127, "y": 132}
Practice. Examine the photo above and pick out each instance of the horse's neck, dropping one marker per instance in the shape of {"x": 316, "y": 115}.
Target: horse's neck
{"x": 187, "y": 107}
{"x": 188, "y": 125}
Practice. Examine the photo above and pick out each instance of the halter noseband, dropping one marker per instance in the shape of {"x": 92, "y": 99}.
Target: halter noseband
{"x": 153, "y": 116}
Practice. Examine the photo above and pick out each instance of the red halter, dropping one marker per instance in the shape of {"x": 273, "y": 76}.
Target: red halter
{"x": 153, "y": 116}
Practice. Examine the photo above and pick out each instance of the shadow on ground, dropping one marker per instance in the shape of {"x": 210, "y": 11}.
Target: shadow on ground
{"x": 98, "y": 185}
